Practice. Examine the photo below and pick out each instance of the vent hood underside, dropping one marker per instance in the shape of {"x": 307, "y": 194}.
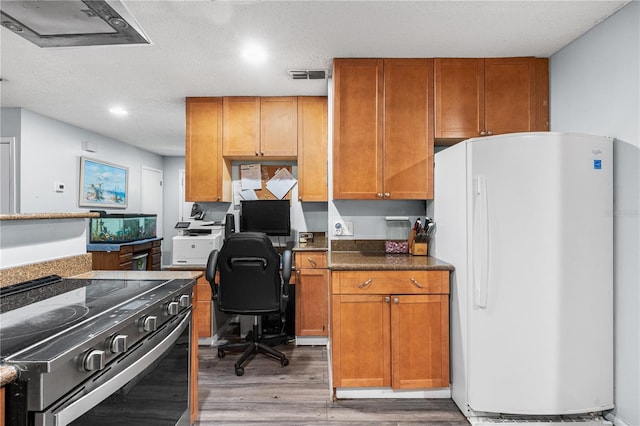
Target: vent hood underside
{"x": 70, "y": 23}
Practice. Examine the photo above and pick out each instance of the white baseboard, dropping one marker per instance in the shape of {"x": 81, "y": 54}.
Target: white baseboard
{"x": 311, "y": 341}
{"x": 355, "y": 393}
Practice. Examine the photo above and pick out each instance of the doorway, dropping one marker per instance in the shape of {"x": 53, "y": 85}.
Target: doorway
{"x": 7, "y": 176}
{"x": 152, "y": 198}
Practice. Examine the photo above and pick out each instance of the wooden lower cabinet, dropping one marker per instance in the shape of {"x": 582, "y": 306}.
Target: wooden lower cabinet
{"x": 312, "y": 294}
{"x": 388, "y": 331}
{"x": 203, "y": 302}
{"x": 122, "y": 259}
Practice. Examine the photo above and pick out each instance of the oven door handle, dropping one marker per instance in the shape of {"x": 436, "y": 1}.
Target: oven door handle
{"x": 102, "y": 392}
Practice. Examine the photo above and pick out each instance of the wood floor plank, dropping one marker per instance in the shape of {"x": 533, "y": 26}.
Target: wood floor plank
{"x": 299, "y": 394}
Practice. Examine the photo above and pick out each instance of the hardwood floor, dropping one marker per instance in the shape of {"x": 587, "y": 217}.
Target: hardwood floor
{"x": 299, "y": 394}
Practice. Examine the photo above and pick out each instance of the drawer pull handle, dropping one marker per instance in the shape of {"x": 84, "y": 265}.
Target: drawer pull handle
{"x": 366, "y": 284}
{"x": 312, "y": 262}
{"x": 416, "y": 282}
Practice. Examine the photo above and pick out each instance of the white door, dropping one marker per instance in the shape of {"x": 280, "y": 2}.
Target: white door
{"x": 151, "y": 188}
{"x": 7, "y": 176}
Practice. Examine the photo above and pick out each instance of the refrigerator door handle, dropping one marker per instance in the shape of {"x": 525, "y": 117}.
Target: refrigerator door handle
{"x": 480, "y": 243}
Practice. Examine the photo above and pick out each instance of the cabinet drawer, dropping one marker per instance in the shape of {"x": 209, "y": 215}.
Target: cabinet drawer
{"x": 126, "y": 250}
{"x": 311, "y": 260}
{"x": 390, "y": 282}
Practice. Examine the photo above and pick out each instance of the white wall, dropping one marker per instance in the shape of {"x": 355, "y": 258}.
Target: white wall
{"x": 595, "y": 88}
{"x": 50, "y": 151}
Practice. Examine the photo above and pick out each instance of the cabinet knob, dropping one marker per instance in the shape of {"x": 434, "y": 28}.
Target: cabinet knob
{"x": 387, "y": 299}
{"x": 482, "y": 133}
{"x": 261, "y": 152}
{"x": 387, "y": 195}
{"x": 257, "y": 153}
{"x": 299, "y": 198}
{"x": 489, "y": 133}
{"x": 396, "y": 300}
{"x": 379, "y": 194}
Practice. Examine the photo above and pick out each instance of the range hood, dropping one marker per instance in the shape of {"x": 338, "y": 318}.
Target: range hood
{"x": 70, "y": 23}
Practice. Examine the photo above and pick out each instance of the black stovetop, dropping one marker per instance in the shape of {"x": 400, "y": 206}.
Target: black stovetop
{"x": 39, "y": 314}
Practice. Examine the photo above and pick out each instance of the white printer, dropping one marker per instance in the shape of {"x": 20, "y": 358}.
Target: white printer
{"x": 195, "y": 240}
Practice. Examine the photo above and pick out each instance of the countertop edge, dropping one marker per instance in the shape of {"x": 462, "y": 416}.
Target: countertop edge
{"x": 41, "y": 216}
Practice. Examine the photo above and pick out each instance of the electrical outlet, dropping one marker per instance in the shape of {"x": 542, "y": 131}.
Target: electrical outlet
{"x": 58, "y": 187}
{"x": 342, "y": 228}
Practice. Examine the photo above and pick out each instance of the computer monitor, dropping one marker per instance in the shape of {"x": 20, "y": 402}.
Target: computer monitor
{"x": 273, "y": 217}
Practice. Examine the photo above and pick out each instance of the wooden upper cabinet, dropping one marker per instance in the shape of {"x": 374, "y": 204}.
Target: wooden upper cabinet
{"x": 383, "y": 143}
{"x": 278, "y": 127}
{"x": 203, "y": 150}
{"x": 260, "y": 127}
{"x": 509, "y": 98}
{"x": 312, "y": 148}
{"x": 459, "y": 97}
{"x": 478, "y": 97}
{"x": 408, "y": 120}
{"x": 241, "y": 128}
{"x": 357, "y": 128}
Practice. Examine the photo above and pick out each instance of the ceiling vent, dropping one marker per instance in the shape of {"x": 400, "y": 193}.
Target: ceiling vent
{"x": 307, "y": 74}
{"x": 70, "y": 23}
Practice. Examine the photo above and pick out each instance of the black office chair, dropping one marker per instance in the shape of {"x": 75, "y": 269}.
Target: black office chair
{"x": 250, "y": 283}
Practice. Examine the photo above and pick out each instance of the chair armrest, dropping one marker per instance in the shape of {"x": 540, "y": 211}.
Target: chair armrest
{"x": 210, "y": 272}
{"x": 287, "y": 262}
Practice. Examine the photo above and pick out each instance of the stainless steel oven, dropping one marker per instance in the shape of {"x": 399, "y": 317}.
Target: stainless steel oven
{"x": 120, "y": 355}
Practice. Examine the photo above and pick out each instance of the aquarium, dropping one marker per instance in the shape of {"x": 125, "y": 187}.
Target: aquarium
{"x": 122, "y": 228}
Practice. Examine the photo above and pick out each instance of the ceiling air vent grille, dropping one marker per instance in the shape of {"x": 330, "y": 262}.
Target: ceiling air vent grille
{"x": 307, "y": 74}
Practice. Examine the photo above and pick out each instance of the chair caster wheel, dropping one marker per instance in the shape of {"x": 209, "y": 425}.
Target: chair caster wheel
{"x": 284, "y": 362}
{"x": 220, "y": 353}
{"x": 239, "y": 371}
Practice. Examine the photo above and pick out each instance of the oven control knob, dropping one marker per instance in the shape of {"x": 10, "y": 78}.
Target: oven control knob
{"x": 149, "y": 323}
{"x": 93, "y": 360}
{"x": 185, "y": 301}
{"x": 172, "y": 308}
{"x": 118, "y": 344}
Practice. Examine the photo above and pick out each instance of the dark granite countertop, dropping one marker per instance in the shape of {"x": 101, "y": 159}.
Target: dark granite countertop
{"x": 380, "y": 261}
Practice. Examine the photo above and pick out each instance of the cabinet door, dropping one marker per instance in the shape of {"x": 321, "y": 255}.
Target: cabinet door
{"x": 312, "y": 302}
{"x": 312, "y": 148}
{"x": 360, "y": 341}
{"x": 241, "y": 127}
{"x": 509, "y": 95}
{"x": 420, "y": 341}
{"x": 408, "y": 129}
{"x": 357, "y": 128}
{"x": 278, "y": 127}
{"x": 459, "y": 97}
{"x": 203, "y": 159}
{"x": 205, "y": 306}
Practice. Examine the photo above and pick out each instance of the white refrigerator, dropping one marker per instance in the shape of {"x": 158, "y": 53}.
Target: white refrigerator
{"x": 526, "y": 220}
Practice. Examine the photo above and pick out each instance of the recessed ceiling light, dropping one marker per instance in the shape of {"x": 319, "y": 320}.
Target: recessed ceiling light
{"x": 119, "y": 111}
{"x": 254, "y": 54}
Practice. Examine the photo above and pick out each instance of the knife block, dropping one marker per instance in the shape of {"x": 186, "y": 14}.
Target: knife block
{"x": 415, "y": 248}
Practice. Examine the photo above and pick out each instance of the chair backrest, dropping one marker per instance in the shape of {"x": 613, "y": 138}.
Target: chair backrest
{"x": 249, "y": 280}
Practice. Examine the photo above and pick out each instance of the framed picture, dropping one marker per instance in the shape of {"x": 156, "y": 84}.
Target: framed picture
{"x": 102, "y": 184}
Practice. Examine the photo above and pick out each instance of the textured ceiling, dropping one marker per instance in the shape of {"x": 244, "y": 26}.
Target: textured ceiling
{"x": 195, "y": 52}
